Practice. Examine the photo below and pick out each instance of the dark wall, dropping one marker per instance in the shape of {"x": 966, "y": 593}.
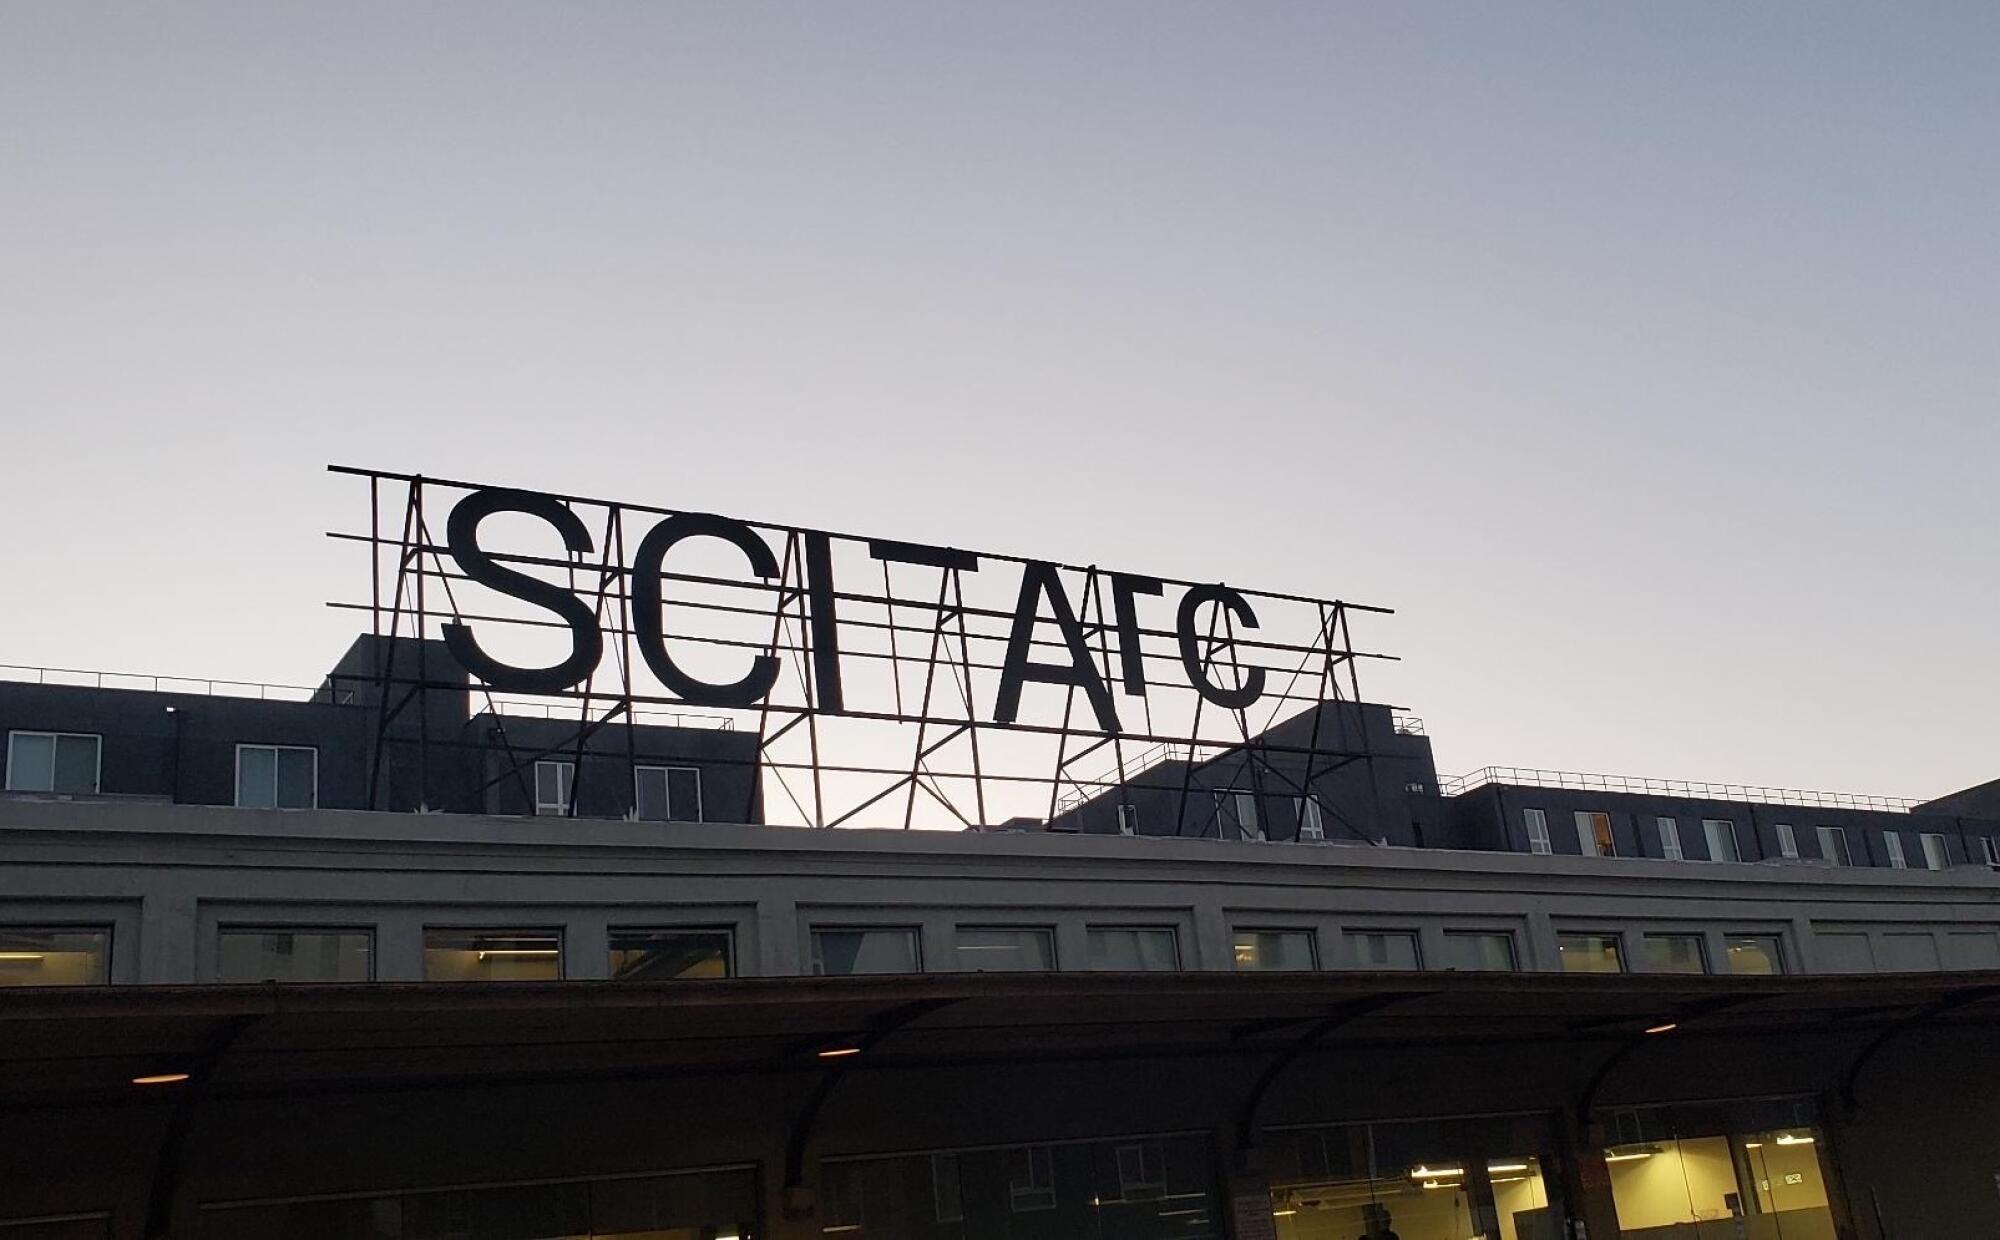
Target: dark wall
{"x": 728, "y": 761}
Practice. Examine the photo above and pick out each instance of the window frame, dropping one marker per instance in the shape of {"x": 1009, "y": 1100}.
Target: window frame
{"x": 1943, "y": 858}
{"x": 1312, "y": 817}
{"x": 1788, "y": 841}
{"x": 1670, "y": 837}
{"x": 557, "y": 932}
{"x": 1237, "y": 799}
{"x": 1615, "y": 937}
{"x": 276, "y": 779}
{"x": 1990, "y": 845}
{"x": 1450, "y": 934}
{"x": 727, "y": 933}
{"x": 1536, "y": 822}
{"x": 1173, "y": 938}
{"x": 1771, "y": 937}
{"x": 225, "y": 928}
{"x": 1351, "y": 937}
{"x": 1128, "y": 818}
{"x": 1700, "y": 941}
{"x": 1709, "y": 834}
{"x": 565, "y": 786}
{"x": 1595, "y": 845}
{"x": 1048, "y": 933}
{"x": 667, "y": 786}
{"x": 55, "y": 740}
{"x": 1892, "y": 843}
{"x": 1835, "y": 835}
{"x": 1036, "y": 1186}
{"x": 1312, "y": 948}
{"x": 814, "y": 958}
{"x": 106, "y": 928}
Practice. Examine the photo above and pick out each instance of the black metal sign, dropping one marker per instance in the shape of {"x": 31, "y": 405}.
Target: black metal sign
{"x": 882, "y": 678}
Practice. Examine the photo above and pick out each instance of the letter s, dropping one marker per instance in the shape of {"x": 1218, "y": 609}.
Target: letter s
{"x": 462, "y": 538}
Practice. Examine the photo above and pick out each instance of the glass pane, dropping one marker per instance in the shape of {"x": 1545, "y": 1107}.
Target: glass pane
{"x": 1133, "y": 950}
{"x": 1706, "y": 1180}
{"x": 1479, "y": 953}
{"x": 297, "y": 778}
{"x": 684, "y": 803}
{"x": 1384, "y": 950}
{"x": 1435, "y": 1180}
{"x": 32, "y": 957}
{"x": 1721, "y": 840}
{"x": 31, "y": 761}
{"x": 649, "y": 787}
{"x": 1755, "y": 953}
{"x": 257, "y": 777}
{"x": 1675, "y": 953}
{"x": 1589, "y": 953}
{"x": 1287, "y": 950}
{"x": 250, "y": 955}
{"x": 492, "y": 956}
{"x": 76, "y": 765}
{"x": 1833, "y": 846}
{"x": 1001, "y": 950}
{"x": 718, "y": 1204}
{"x": 655, "y": 955}
{"x": 864, "y": 951}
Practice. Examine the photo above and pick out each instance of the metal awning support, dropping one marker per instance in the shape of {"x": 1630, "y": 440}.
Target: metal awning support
{"x": 167, "y": 1161}
{"x": 1341, "y": 1014}
{"x": 1850, "y": 1102}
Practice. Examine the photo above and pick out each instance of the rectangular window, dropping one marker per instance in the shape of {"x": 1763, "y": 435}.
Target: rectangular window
{"x": 1593, "y": 835}
{"x": 1142, "y": 1171}
{"x": 946, "y": 1200}
{"x": 1755, "y": 953}
{"x": 1833, "y": 845}
{"x": 453, "y": 955}
{"x": 1380, "y": 949}
{"x": 1237, "y": 811}
{"x": 66, "y": 763}
{"x": 277, "y": 777}
{"x": 666, "y": 793}
{"x": 553, "y": 784}
{"x": 1128, "y": 818}
{"x": 1894, "y": 843}
{"x": 1721, "y": 833}
{"x": 1312, "y": 826}
{"x": 1006, "y": 949}
{"x": 1788, "y": 841}
{"x": 892, "y": 949}
{"x": 1274, "y": 950}
{"x": 1133, "y": 949}
{"x": 1479, "y": 951}
{"x": 1990, "y": 845}
{"x": 1670, "y": 838}
{"x": 1590, "y": 953}
{"x": 1031, "y": 1179}
{"x": 55, "y": 956}
{"x": 1936, "y": 857}
{"x": 665, "y": 955}
{"x": 1675, "y": 953}
{"x": 1537, "y": 823}
{"x": 277, "y": 954}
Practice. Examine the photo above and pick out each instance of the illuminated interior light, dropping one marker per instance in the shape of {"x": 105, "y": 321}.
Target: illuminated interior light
{"x": 1666, "y": 1028}
{"x": 1753, "y": 1145}
{"x": 1507, "y": 1166}
{"x": 23, "y": 956}
{"x": 834, "y": 1231}
{"x": 1421, "y": 1172}
{"x": 1628, "y": 1157}
{"x": 1508, "y": 1179}
{"x": 837, "y": 1052}
{"x": 1283, "y": 1213}
{"x": 162, "y": 1078}
{"x": 1787, "y": 1138}
{"x": 484, "y": 952}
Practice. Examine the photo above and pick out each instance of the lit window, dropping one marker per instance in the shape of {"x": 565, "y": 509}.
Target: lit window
{"x": 1590, "y": 953}
{"x": 1128, "y": 818}
{"x": 1537, "y": 823}
{"x": 1593, "y": 835}
{"x": 554, "y": 782}
{"x": 1031, "y": 1179}
{"x": 277, "y": 777}
{"x": 1833, "y": 845}
{"x": 1755, "y": 953}
{"x": 1274, "y": 950}
{"x": 54, "y": 956}
{"x": 837, "y": 952}
{"x": 492, "y": 955}
{"x": 661, "y": 793}
{"x": 1721, "y": 833}
{"x": 1936, "y": 857}
{"x": 59, "y": 762}
{"x": 1479, "y": 951}
{"x": 269, "y": 954}
{"x": 1670, "y": 837}
{"x": 1133, "y": 949}
{"x": 1675, "y": 953}
{"x": 1894, "y": 843}
{"x": 1006, "y": 949}
{"x": 662, "y": 955}
{"x": 1788, "y": 841}
{"x": 1375, "y": 949}
{"x": 1237, "y": 811}
{"x": 1312, "y": 826}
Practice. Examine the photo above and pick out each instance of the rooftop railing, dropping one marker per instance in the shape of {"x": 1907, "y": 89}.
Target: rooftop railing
{"x": 1693, "y": 790}
{"x": 1405, "y": 724}
{"x": 147, "y": 683}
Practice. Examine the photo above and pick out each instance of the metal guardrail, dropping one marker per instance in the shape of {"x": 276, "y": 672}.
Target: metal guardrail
{"x": 1406, "y": 725}
{"x": 573, "y": 709}
{"x": 148, "y": 683}
{"x": 1694, "y": 790}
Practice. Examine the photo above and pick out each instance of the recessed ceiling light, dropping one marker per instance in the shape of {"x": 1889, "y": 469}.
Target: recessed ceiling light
{"x": 162, "y": 1078}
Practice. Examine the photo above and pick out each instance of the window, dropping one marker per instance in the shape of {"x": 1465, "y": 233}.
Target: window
{"x": 1936, "y": 856}
{"x": 55, "y": 956}
{"x": 1894, "y": 843}
{"x": 1312, "y": 826}
{"x": 1675, "y": 953}
{"x": 1593, "y": 835}
{"x": 1131, "y": 949}
{"x": 665, "y": 793}
{"x": 1590, "y": 953}
{"x": 1788, "y": 841}
{"x": 1128, "y": 818}
{"x": 1833, "y": 845}
{"x": 1990, "y": 845}
{"x": 1379, "y": 949}
{"x": 1670, "y": 837}
{"x": 1006, "y": 949}
{"x": 1275, "y": 950}
{"x": 1142, "y": 1171}
{"x": 61, "y": 762}
{"x": 1754, "y": 953}
{"x": 1031, "y": 1179}
{"x": 277, "y": 777}
{"x": 885, "y": 950}
{"x": 1538, "y": 830}
{"x": 553, "y": 783}
{"x": 1237, "y": 811}
{"x": 1471, "y": 951}
{"x": 663, "y": 955}
{"x": 1721, "y": 833}
{"x": 946, "y": 1200}
{"x": 492, "y": 955}
{"x": 279, "y": 954}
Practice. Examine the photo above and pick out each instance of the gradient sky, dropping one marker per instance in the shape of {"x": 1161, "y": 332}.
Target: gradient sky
{"x": 1646, "y": 357}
